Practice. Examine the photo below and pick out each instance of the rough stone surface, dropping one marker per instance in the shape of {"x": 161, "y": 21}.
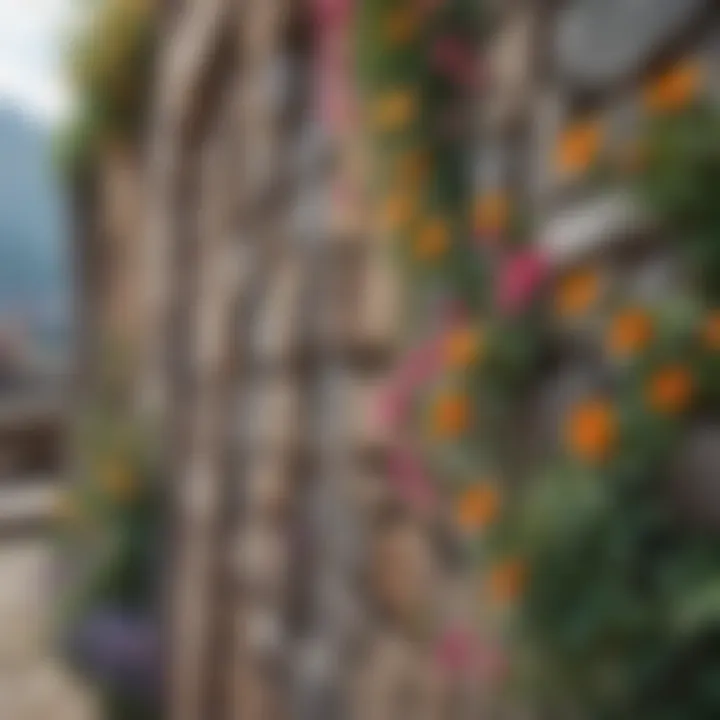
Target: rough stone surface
{"x": 588, "y": 227}
{"x": 600, "y": 41}
{"x": 696, "y": 486}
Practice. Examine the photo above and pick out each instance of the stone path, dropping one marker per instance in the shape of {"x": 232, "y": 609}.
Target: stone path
{"x": 33, "y": 686}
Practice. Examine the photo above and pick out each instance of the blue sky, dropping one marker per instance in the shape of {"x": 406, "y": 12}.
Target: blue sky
{"x": 31, "y": 73}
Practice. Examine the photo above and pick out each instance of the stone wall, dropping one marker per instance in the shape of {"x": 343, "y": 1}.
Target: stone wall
{"x": 271, "y": 318}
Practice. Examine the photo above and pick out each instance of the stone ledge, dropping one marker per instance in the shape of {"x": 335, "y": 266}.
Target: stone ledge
{"x": 591, "y": 226}
{"x": 29, "y": 504}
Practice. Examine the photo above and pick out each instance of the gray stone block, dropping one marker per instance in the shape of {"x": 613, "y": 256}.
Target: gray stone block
{"x": 696, "y": 481}
{"x": 590, "y": 226}
{"x": 598, "y": 42}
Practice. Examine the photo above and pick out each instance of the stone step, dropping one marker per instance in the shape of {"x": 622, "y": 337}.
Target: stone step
{"x": 28, "y": 505}
{"x": 33, "y": 683}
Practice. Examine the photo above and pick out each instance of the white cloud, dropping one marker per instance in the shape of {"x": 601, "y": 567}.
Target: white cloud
{"x": 31, "y": 67}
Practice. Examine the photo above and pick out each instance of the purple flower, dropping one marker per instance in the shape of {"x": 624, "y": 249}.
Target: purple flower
{"x": 119, "y": 649}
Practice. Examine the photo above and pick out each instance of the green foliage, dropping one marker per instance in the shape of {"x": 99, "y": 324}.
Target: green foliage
{"x": 679, "y": 182}
{"x": 110, "y": 521}
{"x": 622, "y": 596}
{"x": 440, "y": 130}
{"x": 110, "y": 62}
{"x": 621, "y": 617}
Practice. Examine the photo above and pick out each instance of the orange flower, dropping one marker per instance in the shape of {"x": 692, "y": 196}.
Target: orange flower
{"x": 576, "y": 293}
{"x": 477, "y": 507}
{"x": 401, "y": 26}
{"x": 675, "y": 89}
{"x": 433, "y": 241}
{"x": 711, "y": 331}
{"x": 395, "y": 110}
{"x": 462, "y": 347}
{"x": 450, "y": 416}
{"x": 591, "y": 430}
{"x": 630, "y": 332}
{"x": 670, "y": 390}
{"x": 491, "y": 214}
{"x": 507, "y": 581}
{"x": 578, "y": 147}
{"x": 398, "y": 212}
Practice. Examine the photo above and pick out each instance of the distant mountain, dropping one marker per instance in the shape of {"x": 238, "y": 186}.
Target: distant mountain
{"x": 34, "y": 284}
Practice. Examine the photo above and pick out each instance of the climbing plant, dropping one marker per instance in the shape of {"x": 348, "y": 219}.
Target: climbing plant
{"x": 607, "y": 598}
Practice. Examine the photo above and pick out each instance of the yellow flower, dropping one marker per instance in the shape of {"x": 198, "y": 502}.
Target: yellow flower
{"x": 395, "y": 110}
{"x": 401, "y": 26}
{"x": 711, "y": 331}
{"x": 675, "y": 89}
{"x": 478, "y": 507}
{"x": 591, "y": 430}
{"x": 119, "y": 483}
{"x": 507, "y": 581}
{"x": 450, "y": 416}
{"x": 462, "y": 347}
{"x": 630, "y": 332}
{"x": 669, "y": 391}
{"x": 578, "y": 147}
{"x": 576, "y": 293}
{"x": 491, "y": 214}
{"x": 433, "y": 241}
{"x": 398, "y": 211}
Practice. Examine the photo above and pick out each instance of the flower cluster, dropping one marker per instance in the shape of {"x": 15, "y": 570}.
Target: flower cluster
{"x": 458, "y": 395}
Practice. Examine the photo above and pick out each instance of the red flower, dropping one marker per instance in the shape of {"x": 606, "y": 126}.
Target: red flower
{"x": 520, "y": 278}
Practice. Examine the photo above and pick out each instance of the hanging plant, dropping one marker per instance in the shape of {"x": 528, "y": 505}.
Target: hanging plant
{"x": 109, "y": 61}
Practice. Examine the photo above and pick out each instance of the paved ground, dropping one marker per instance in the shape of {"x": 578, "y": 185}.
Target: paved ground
{"x": 32, "y": 684}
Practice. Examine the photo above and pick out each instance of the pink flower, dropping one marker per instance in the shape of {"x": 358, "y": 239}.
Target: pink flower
{"x": 333, "y": 12}
{"x": 391, "y": 406}
{"x": 520, "y": 278}
{"x": 410, "y": 480}
{"x": 457, "y": 651}
{"x": 419, "y": 366}
{"x": 461, "y": 653}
